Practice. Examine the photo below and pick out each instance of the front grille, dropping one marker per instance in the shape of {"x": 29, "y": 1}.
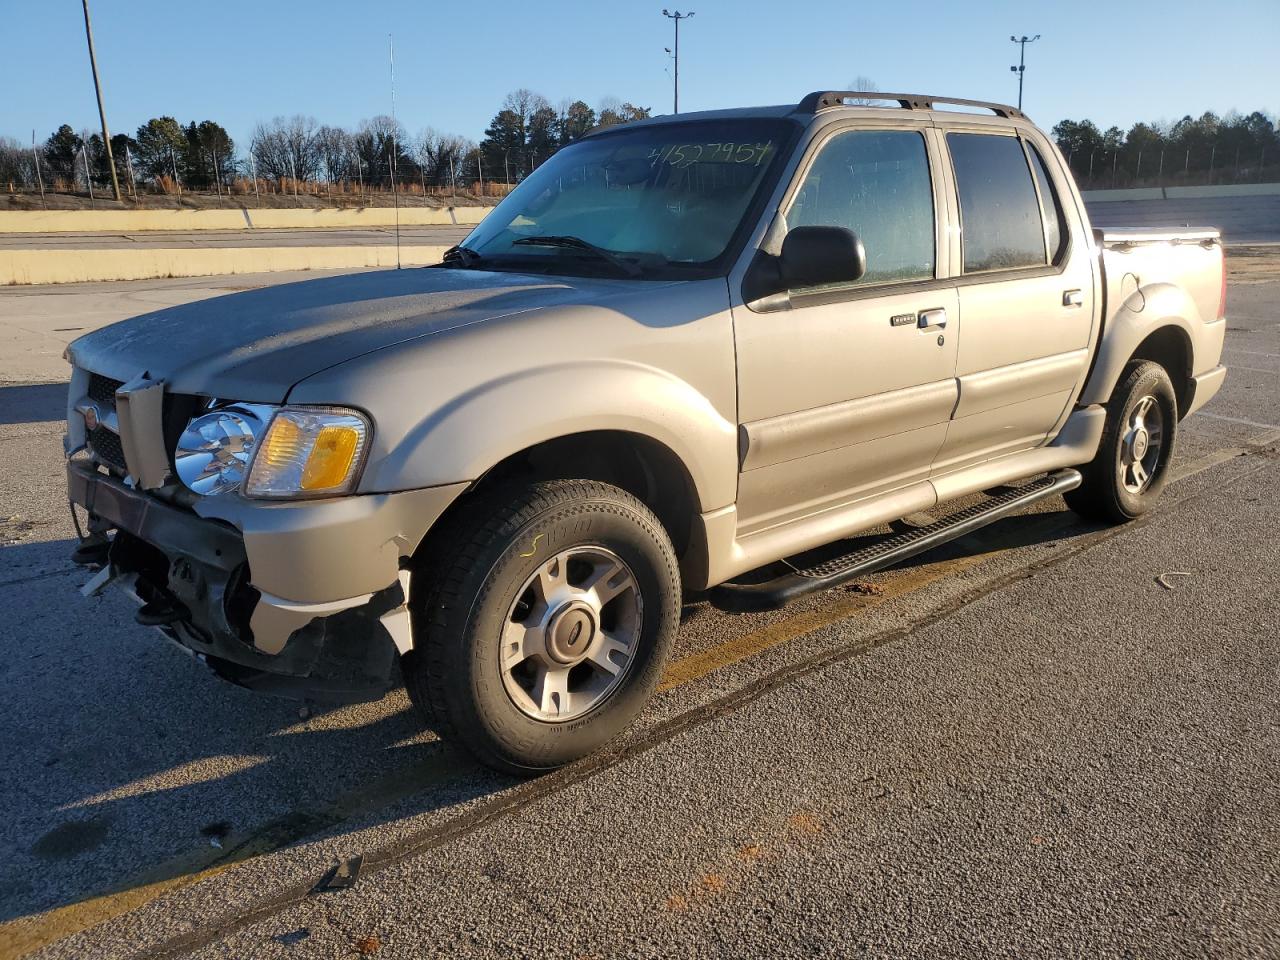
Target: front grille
{"x": 177, "y": 411}
{"x": 103, "y": 389}
{"x": 106, "y": 447}
{"x": 104, "y": 443}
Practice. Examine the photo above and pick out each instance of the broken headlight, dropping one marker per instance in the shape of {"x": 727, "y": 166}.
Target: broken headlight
{"x": 216, "y": 448}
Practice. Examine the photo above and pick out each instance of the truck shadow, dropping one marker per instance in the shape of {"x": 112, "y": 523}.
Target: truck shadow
{"x": 33, "y": 402}
{"x": 127, "y": 763}
{"x": 130, "y": 765}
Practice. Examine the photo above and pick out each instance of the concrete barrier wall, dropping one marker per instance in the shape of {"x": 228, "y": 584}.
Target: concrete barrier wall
{"x": 134, "y": 221}
{"x": 1184, "y": 193}
{"x": 71, "y": 266}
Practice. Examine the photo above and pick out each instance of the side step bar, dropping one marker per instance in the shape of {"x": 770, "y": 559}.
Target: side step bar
{"x": 771, "y": 594}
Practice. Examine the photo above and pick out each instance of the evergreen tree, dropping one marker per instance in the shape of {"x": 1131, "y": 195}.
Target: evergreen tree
{"x": 161, "y": 144}
{"x": 61, "y": 153}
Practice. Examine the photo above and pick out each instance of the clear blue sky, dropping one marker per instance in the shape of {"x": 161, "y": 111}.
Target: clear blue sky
{"x": 238, "y": 62}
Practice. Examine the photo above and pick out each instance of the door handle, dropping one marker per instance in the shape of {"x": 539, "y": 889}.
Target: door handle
{"x": 932, "y": 319}
{"x": 1072, "y": 298}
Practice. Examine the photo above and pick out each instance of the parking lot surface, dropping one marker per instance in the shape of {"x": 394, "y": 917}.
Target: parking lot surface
{"x": 1050, "y": 738}
{"x": 1241, "y": 219}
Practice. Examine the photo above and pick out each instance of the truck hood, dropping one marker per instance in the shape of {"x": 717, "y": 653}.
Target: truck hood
{"x": 254, "y": 346}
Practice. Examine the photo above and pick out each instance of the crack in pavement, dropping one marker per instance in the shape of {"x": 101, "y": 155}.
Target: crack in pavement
{"x": 532, "y": 791}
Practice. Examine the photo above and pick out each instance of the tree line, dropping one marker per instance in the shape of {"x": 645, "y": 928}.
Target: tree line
{"x": 167, "y": 155}
{"x": 197, "y": 154}
{"x": 1231, "y": 148}
{"x": 164, "y": 154}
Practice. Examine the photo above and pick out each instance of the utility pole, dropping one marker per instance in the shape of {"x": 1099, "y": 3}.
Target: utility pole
{"x": 102, "y": 112}
{"x": 677, "y": 17}
{"x": 391, "y": 158}
{"x": 1021, "y": 68}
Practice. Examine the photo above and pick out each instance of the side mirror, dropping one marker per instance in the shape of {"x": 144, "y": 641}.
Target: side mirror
{"x": 812, "y": 256}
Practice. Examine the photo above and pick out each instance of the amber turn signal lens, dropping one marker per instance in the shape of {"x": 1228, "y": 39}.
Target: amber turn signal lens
{"x": 331, "y": 457}
{"x": 310, "y": 451}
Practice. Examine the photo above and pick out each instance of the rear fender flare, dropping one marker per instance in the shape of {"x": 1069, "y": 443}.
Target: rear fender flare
{"x": 1146, "y": 311}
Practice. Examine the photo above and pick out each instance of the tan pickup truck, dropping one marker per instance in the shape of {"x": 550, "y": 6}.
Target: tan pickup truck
{"x": 686, "y": 354}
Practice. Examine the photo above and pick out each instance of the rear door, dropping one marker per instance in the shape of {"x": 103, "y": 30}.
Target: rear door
{"x": 845, "y": 394}
{"x": 1025, "y": 296}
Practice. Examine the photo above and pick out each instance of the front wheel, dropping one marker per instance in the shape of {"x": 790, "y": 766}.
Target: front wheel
{"x": 545, "y": 628}
{"x": 1132, "y": 464}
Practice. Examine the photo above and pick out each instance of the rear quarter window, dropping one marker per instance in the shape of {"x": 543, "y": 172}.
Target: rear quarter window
{"x": 1000, "y": 220}
{"x": 1055, "y": 225}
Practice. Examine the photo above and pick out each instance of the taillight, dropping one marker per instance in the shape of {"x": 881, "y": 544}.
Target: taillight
{"x": 1222, "y": 297}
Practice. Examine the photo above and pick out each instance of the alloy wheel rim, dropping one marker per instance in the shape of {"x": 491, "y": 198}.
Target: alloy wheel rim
{"x": 1141, "y": 445}
{"x": 571, "y": 635}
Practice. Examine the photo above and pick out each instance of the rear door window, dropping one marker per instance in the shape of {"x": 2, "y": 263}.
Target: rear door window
{"x": 1000, "y": 221}
{"x": 876, "y": 183}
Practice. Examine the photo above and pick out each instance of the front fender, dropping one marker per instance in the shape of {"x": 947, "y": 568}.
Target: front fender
{"x": 467, "y": 436}
{"x": 1143, "y": 312}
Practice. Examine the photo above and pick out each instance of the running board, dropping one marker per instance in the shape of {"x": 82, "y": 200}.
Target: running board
{"x": 771, "y": 594}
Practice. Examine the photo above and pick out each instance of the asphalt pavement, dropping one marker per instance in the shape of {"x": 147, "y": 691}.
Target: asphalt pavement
{"x": 1051, "y": 738}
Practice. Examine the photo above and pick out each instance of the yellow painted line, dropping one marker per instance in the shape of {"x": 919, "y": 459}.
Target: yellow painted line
{"x": 27, "y": 934}
{"x": 701, "y": 664}
{"x": 21, "y": 936}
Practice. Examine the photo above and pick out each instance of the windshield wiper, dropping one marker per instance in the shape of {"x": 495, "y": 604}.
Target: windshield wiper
{"x": 577, "y": 243}
{"x": 460, "y": 256}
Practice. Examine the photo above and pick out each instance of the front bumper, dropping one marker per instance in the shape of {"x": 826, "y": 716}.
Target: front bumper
{"x": 305, "y": 599}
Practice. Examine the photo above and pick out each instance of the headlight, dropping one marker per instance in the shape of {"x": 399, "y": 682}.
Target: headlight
{"x": 214, "y": 451}
{"x": 309, "y": 452}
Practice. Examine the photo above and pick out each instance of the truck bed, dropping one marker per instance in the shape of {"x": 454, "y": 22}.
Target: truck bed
{"x": 1137, "y": 258}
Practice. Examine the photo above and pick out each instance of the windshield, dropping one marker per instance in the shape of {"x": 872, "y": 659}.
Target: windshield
{"x": 657, "y": 201}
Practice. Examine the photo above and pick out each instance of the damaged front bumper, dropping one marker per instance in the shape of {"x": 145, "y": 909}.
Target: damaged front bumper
{"x": 306, "y": 599}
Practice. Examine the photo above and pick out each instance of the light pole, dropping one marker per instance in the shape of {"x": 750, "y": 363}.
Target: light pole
{"x": 677, "y": 17}
{"x": 1021, "y": 68}
{"x": 102, "y": 113}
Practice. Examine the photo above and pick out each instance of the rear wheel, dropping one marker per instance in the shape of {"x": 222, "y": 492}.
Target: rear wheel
{"x": 1132, "y": 464}
{"x": 544, "y": 630}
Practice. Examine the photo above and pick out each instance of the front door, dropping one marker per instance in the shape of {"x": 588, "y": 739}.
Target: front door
{"x": 848, "y": 393}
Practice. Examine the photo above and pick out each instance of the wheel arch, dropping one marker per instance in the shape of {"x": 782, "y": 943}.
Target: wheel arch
{"x": 1155, "y": 323}
{"x": 1170, "y": 347}
{"x": 645, "y": 467}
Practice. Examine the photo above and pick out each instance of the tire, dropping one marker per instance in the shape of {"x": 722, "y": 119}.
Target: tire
{"x": 512, "y": 575}
{"x": 1111, "y": 491}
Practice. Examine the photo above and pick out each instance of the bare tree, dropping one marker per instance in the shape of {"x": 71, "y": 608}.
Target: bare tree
{"x": 17, "y": 164}
{"x": 373, "y": 142}
{"x": 286, "y": 148}
{"x": 442, "y": 155}
{"x": 866, "y": 85}
{"x": 335, "y": 148}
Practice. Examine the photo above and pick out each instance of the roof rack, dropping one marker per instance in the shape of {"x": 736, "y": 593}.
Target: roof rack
{"x": 825, "y": 99}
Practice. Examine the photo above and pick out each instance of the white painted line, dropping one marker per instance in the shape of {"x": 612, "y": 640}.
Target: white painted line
{"x": 1252, "y": 353}
{"x": 1205, "y": 462}
{"x": 1236, "y": 366}
{"x": 1262, "y": 439}
{"x": 1248, "y": 423}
